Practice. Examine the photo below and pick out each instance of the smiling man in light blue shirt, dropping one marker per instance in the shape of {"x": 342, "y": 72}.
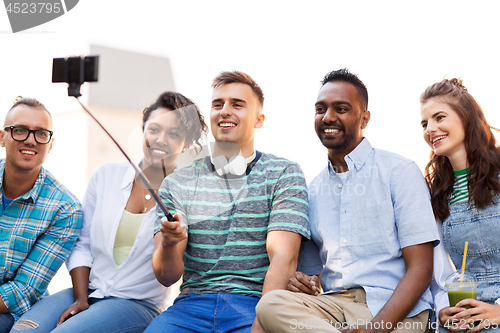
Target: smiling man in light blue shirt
{"x": 372, "y": 228}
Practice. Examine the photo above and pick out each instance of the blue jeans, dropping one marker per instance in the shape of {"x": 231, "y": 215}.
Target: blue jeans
{"x": 106, "y": 315}
{"x": 6, "y": 322}
{"x": 207, "y": 313}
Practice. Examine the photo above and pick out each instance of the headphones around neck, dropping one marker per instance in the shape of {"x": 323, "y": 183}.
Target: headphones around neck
{"x": 237, "y": 165}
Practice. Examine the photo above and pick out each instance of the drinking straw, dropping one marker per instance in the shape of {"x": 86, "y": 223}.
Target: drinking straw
{"x": 463, "y": 265}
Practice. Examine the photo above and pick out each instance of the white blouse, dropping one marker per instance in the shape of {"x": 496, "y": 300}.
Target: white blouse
{"x": 106, "y": 197}
{"x": 442, "y": 269}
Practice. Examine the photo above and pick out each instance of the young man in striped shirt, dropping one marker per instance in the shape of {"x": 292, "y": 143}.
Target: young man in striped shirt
{"x": 39, "y": 218}
{"x": 238, "y": 225}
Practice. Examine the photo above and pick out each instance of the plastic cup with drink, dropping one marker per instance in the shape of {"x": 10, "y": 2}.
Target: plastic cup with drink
{"x": 461, "y": 285}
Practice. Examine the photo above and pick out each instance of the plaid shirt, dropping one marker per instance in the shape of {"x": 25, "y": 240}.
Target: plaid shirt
{"x": 37, "y": 233}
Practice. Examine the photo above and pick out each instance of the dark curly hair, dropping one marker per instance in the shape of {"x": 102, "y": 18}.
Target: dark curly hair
{"x": 482, "y": 154}
{"x": 190, "y": 118}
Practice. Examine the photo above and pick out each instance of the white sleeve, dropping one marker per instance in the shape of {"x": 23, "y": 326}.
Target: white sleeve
{"x": 442, "y": 269}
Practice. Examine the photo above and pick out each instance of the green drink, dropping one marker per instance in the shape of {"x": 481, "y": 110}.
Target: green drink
{"x": 459, "y": 287}
{"x": 456, "y": 296}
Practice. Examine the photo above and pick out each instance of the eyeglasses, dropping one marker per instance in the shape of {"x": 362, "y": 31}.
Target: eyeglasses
{"x": 20, "y": 133}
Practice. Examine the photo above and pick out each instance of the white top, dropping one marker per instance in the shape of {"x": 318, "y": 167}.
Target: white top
{"x": 107, "y": 194}
{"x": 442, "y": 269}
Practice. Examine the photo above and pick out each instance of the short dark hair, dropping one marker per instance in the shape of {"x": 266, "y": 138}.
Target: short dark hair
{"x": 344, "y": 75}
{"x": 191, "y": 119}
{"x": 238, "y": 77}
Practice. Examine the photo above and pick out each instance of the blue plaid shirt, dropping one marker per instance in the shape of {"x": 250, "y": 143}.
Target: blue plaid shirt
{"x": 37, "y": 233}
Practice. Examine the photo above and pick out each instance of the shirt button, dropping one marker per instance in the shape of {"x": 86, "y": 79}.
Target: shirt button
{"x": 339, "y": 185}
{"x": 348, "y": 271}
{"x": 358, "y": 166}
{"x": 345, "y": 240}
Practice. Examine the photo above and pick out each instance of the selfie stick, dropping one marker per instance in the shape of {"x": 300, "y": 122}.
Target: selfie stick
{"x": 77, "y": 70}
{"x": 141, "y": 174}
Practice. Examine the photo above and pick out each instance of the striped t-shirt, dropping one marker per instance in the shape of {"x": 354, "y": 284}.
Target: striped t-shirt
{"x": 228, "y": 219}
{"x": 460, "y": 190}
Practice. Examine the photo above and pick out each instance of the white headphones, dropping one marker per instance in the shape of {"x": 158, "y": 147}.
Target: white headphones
{"x": 237, "y": 165}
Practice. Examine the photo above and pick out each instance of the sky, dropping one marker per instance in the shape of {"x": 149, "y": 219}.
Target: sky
{"x": 397, "y": 48}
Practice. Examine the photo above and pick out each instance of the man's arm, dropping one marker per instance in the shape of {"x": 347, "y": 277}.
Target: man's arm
{"x": 44, "y": 259}
{"x": 287, "y": 225}
{"x": 170, "y": 244}
{"x": 282, "y": 250}
{"x": 307, "y": 279}
{"x": 419, "y": 263}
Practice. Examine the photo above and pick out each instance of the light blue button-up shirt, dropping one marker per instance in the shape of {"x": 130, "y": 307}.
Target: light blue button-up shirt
{"x": 360, "y": 222}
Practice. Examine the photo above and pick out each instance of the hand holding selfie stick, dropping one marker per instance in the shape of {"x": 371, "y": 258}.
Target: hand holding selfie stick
{"x": 75, "y": 71}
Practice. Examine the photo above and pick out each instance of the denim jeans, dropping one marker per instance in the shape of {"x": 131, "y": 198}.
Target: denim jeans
{"x": 207, "y": 313}
{"x": 6, "y": 322}
{"x": 104, "y": 315}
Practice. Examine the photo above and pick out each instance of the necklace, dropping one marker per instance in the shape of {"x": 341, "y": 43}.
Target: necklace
{"x": 146, "y": 199}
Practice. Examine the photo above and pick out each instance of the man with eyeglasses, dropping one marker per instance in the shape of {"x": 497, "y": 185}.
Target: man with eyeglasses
{"x": 39, "y": 218}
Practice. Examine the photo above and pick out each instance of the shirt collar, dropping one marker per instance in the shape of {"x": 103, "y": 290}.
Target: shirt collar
{"x": 34, "y": 192}
{"x": 129, "y": 176}
{"x": 356, "y": 158}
